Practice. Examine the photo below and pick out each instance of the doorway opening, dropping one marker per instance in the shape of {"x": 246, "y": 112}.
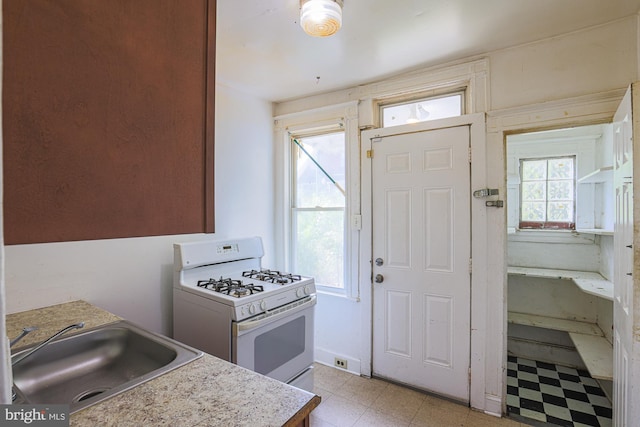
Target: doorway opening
{"x": 560, "y": 202}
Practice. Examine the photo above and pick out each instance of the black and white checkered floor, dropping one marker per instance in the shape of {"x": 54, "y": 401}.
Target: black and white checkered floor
{"x": 555, "y": 394}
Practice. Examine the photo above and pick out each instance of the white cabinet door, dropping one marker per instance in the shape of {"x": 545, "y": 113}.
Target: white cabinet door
{"x": 626, "y": 411}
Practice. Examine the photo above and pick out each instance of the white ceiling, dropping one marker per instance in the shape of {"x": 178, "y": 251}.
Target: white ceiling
{"x": 262, "y": 50}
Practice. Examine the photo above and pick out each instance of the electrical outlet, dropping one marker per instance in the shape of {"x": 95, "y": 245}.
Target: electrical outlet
{"x": 340, "y": 363}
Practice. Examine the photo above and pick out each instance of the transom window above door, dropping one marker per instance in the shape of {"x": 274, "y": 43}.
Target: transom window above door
{"x": 547, "y": 199}
{"x": 422, "y": 110}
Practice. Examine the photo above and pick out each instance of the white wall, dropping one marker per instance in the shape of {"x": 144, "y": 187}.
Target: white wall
{"x": 589, "y": 61}
{"x": 582, "y": 254}
{"x": 337, "y": 331}
{"x": 244, "y": 181}
{"x": 133, "y": 277}
{"x": 580, "y": 64}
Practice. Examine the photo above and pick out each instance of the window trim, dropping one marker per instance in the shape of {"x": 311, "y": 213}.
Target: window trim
{"x": 347, "y": 115}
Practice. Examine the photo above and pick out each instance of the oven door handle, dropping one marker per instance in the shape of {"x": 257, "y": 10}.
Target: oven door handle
{"x": 278, "y": 313}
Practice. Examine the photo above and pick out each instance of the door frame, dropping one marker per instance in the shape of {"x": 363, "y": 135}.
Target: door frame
{"x": 579, "y": 111}
{"x": 479, "y": 250}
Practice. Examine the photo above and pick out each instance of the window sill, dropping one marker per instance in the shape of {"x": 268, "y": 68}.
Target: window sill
{"x": 341, "y": 293}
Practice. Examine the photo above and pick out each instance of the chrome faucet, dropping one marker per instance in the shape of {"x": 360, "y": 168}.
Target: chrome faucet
{"x": 45, "y": 342}
{"x": 23, "y": 334}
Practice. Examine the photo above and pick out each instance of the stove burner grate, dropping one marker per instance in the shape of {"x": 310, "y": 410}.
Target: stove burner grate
{"x": 228, "y": 286}
{"x": 272, "y": 276}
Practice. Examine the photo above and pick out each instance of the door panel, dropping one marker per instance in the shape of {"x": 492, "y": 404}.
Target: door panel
{"x": 438, "y": 330}
{"x": 398, "y": 324}
{"x": 438, "y": 211}
{"x": 421, "y": 231}
{"x": 398, "y": 228}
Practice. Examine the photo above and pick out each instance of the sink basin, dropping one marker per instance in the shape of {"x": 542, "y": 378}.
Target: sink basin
{"x": 84, "y": 369}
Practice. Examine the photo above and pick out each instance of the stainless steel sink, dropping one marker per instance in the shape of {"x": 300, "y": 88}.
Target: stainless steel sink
{"x": 94, "y": 365}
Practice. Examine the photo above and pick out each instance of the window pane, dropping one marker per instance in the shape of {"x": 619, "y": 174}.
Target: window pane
{"x": 319, "y": 247}
{"x": 321, "y": 159}
{"x": 533, "y": 211}
{"x": 560, "y": 211}
{"x": 422, "y": 110}
{"x": 534, "y": 170}
{"x": 547, "y": 193}
{"x": 533, "y": 191}
{"x": 561, "y": 169}
{"x": 560, "y": 190}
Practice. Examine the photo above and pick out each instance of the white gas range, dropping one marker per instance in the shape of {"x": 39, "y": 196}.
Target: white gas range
{"x": 226, "y": 304}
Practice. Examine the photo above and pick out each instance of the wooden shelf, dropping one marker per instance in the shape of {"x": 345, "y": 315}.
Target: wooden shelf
{"x": 599, "y": 287}
{"x": 588, "y": 281}
{"x": 599, "y": 231}
{"x": 566, "y": 325}
{"x": 596, "y": 353}
{"x": 603, "y": 174}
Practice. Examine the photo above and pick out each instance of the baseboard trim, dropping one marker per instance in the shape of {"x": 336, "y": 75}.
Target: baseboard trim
{"x": 493, "y": 405}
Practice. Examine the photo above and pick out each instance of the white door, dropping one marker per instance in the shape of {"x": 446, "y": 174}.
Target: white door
{"x": 421, "y": 251}
{"x": 626, "y": 358}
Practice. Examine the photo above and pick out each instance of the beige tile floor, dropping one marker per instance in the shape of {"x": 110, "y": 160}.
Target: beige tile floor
{"x": 350, "y": 400}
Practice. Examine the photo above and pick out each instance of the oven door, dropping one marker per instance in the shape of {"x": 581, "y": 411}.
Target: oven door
{"x": 278, "y": 344}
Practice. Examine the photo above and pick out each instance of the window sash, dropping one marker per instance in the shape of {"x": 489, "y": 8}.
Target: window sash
{"x": 328, "y": 264}
{"x": 545, "y": 199}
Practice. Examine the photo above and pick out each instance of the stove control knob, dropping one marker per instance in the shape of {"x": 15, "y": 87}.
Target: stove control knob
{"x": 252, "y": 309}
{"x": 299, "y": 292}
{"x": 263, "y": 305}
{"x": 307, "y": 290}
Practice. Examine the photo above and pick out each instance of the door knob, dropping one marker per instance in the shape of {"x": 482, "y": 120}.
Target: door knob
{"x": 379, "y": 278}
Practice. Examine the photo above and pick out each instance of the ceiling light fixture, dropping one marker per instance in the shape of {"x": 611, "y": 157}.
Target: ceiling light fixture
{"x": 321, "y": 18}
{"x": 413, "y": 114}
{"x": 417, "y": 113}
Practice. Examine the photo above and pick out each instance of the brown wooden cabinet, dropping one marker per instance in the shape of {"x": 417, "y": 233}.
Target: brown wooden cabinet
{"x": 108, "y": 117}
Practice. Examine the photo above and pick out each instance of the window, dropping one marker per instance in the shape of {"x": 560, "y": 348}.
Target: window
{"x": 422, "y": 110}
{"x": 547, "y": 193}
{"x": 318, "y": 207}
